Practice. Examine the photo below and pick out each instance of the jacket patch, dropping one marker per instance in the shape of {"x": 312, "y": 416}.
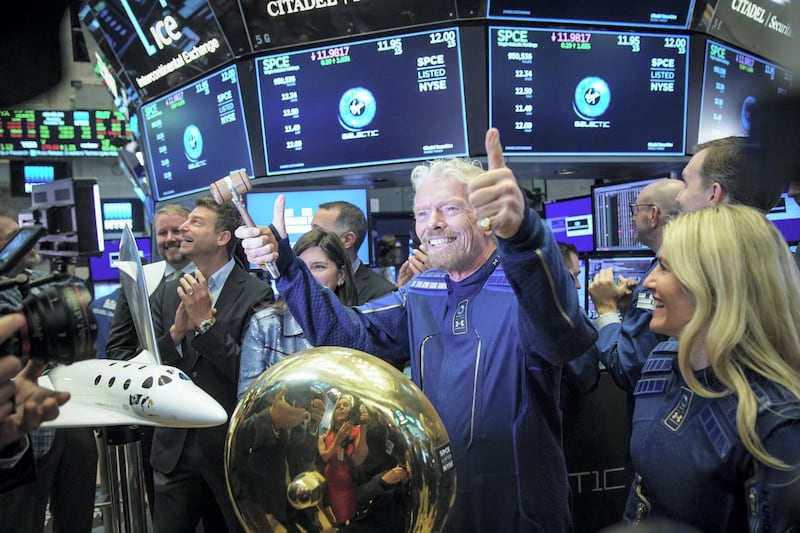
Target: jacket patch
{"x": 678, "y": 413}
{"x": 645, "y": 301}
{"x": 460, "y": 318}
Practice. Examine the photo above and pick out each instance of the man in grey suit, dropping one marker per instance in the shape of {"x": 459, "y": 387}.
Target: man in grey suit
{"x": 199, "y": 321}
{"x": 349, "y": 223}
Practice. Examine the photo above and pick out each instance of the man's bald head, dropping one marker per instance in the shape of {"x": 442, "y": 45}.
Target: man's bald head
{"x": 657, "y": 206}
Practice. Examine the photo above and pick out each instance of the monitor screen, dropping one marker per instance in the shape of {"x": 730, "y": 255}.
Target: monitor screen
{"x": 196, "y": 135}
{"x": 363, "y": 102}
{"x": 24, "y": 176}
{"x": 160, "y": 44}
{"x": 733, "y": 81}
{"x": 629, "y": 267}
{"x": 657, "y": 13}
{"x": 301, "y": 206}
{"x": 78, "y": 133}
{"x": 582, "y": 279}
{"x": 121, "y": 212}
{"x": 104, "y": 268}
{"x": 614, "y": 228}
{"x": 587, "y": 92}
{"x": 277, "y": 23}
{"x": 786, "y": 217}
{"x": 570, "y": 220}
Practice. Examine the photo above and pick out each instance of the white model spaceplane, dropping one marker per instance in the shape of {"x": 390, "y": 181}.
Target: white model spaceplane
{"x": 141, "y": 391}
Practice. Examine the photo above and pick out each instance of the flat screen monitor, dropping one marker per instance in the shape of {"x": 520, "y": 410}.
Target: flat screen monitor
{"x": 276, "y": 23}
{"x": 393, "y": 99}
{"x": 570, "y": 220}
{"x": 51, "y": 133}
{"x": 26, "y": 175}
{"x": 627, "y": 266}
{"x": 587, "y": 92}
{"x": 786, "y": 217}
{"x": 656, "y": 13}
{"x": 614, "y": 228}
{"x": 104, "y": 268}
{"x": 582, "y": 279}
{"x": 121, "y": 212}
{"x": 301, "y": 206}
{"x": 734, "y": 81}
{"x": 196, "y": 135}
{"x": 160, "y": 44}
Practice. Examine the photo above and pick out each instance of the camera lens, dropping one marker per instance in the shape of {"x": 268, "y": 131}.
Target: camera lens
{"x": 60, "y": 327}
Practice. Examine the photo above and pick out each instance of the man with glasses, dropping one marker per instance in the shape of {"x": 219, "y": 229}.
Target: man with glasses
{"x": 628, "y": 338}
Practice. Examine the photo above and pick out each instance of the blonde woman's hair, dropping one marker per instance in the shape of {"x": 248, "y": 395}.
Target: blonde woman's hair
{"x": 747, "y": 288}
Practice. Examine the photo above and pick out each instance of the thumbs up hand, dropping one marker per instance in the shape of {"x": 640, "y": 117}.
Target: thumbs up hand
{"x": 497, "y": 199}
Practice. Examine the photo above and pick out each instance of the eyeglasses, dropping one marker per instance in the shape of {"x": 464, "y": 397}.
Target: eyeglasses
{"x": 635, "y": 207}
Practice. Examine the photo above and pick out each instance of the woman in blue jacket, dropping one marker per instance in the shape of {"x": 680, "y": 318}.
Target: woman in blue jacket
{"x": 716, "y": 428}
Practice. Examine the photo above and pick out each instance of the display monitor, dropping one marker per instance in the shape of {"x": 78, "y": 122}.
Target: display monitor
{"x": 104, "y": 268}
{"x": 628, "y": 266}
{"x": 582, "y": 278}
{"x": 656, "y": 13}
{"x": 570, "y": 220}
{"x": 786, "y": 217}
{"x": 277, "y": 23}
{"x": 588, "y": 92}
{"x": 121, "y": 212}
{"x": 614, "y": 227}
{"x": 393, "y": 99}
{"x": 733, "y": 82}
{"x": 300, "y": 208}
{"x": 196, "y": 135}
{"x": 26, "y": 175}
{"x": 51, "y": 133}
{"x": 160, "y": 44}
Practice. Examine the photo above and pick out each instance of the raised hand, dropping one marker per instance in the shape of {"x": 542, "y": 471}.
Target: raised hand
{"x": 495, "y": 195}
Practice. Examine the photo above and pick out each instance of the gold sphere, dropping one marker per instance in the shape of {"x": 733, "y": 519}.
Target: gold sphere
{"x": 335, "y": 439}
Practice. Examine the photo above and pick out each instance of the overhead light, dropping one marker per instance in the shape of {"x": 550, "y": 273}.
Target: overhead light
{"x": 564, "y": 172}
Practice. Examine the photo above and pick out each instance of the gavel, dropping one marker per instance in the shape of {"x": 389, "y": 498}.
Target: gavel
{"x": 232, "y": 188}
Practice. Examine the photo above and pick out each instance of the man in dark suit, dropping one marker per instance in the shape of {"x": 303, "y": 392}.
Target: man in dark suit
{"x": 349, "y": 223}
{"x": 199, "y": 321}
{"x": 122, "y": 340}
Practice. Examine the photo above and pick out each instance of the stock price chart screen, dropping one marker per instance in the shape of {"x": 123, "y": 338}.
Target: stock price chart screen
{"x": 377, "y": 101}
{"x": 196, "y": 135}
{"x": 588, "y": 92}
{"x": 733, "y": 82}
{"x": 29, "y": 133}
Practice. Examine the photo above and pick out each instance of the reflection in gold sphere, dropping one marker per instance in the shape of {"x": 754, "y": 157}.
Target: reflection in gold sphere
{"x": 334, "y": 439}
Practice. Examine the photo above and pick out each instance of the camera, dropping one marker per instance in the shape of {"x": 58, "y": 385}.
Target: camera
{"x": 59, "y": 326}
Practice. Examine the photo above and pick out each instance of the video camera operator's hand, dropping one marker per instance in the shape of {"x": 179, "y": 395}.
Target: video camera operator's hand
{"x": 259, "y": 244}
{"x": 24, "y": 405}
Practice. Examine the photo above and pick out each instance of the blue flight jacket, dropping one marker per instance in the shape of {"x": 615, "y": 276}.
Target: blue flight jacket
{"x": 691, "y": 464}
{"x": 487, "y": 352}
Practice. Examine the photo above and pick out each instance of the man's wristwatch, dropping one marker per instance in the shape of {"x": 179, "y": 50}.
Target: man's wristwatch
{"x": 205, "y": 325}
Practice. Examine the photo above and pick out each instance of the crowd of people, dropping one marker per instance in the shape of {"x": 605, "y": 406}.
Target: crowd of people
{"x": 485, "y": 318}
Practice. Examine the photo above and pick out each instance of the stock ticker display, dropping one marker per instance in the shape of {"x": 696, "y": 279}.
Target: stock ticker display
{"x": 37, "y": 133}
{"x": 734, "y": 81}
{"x": 385, "y": 100}
{"x": 661, "y": 13}
{"x": 574, "y": 92}
{"x": 196, "y": 135}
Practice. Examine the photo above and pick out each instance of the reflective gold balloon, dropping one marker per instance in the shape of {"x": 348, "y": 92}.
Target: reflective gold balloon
{"x": 333, "y": 439}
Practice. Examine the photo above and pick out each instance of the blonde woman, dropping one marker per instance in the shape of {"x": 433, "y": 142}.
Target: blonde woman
{"x": 716, "y": 429}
